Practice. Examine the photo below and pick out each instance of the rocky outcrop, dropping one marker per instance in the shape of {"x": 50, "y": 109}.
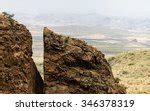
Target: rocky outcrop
{"x": 72, "y": 66}
{"x": 18, "y": 73}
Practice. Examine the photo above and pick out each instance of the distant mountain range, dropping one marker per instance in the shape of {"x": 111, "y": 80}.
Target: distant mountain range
{"x": 86, "y": 25}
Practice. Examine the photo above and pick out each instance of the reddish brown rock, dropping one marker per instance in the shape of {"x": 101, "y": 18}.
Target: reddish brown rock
{"x": 72, "y": 66}
{"x": 18, "y": 73}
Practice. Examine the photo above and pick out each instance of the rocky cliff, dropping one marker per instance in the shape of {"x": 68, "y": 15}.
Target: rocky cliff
{"x": 18, "y": 73}
{"x": 72, "y": 66}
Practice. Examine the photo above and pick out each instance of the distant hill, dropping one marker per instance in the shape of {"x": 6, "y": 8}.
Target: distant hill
{"x": 133, "y": 69}
{"x": 87, "y": 23}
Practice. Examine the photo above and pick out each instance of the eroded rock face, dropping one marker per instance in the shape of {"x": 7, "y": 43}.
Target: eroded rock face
{"x": 72, "y": 66}
{"x": 18, "y": 73}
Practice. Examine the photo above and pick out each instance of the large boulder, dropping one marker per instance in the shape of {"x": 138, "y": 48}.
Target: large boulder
{"x": 18, "y": 72}
{"x": 72, "y": 66}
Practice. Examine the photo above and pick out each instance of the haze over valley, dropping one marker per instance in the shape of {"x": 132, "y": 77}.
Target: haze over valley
{"x": 109, "y": 34}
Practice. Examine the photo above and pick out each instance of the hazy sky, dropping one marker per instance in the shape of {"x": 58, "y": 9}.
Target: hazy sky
{"x": 129, "y": 8}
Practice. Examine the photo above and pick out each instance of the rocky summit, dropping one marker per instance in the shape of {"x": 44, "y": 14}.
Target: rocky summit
{"x": 18, "y": 73}
{"x": 72, "y": 66}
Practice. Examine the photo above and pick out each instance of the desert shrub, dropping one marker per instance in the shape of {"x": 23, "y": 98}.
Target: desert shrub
{"x": 10, "y": 17}
{"x": 130, "y": 64}
{"x": 117, "y": 80}
{"x": 66, "y": 40}
{"x": 111, "y": 59}
{"x": 124, "y": 72}
{"x": 130, "y": 54}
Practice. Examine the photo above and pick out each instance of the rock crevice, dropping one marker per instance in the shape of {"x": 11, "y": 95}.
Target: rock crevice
{"x": 70, "y": 65}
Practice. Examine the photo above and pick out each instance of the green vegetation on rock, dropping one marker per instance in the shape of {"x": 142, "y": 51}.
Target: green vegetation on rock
{"x": 10, "y": 17}
{"x": 66, "y": 39}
